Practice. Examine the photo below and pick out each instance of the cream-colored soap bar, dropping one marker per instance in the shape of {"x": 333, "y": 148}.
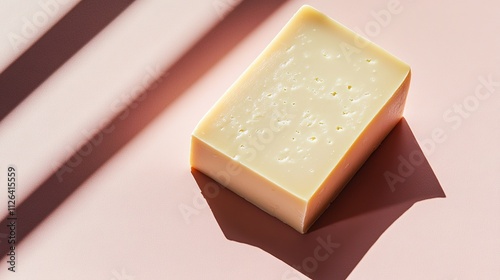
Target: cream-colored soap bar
{"x": 302, "y": 119}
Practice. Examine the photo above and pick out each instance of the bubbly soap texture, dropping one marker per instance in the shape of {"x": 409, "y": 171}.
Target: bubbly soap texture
{"x": 298, "y": 109}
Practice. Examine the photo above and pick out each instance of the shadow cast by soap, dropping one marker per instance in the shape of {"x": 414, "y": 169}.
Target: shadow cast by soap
{"x": 396, "y": 176}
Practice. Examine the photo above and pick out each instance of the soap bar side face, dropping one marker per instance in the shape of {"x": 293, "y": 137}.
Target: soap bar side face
{"x": 248, "y": 184}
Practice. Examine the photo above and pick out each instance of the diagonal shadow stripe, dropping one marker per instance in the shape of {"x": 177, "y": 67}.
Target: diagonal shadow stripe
{"x": 54, "y": 48}
{"x": 133, "y": 119}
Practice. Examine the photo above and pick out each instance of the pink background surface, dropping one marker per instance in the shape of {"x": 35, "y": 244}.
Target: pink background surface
{"x": 116, "y": 107}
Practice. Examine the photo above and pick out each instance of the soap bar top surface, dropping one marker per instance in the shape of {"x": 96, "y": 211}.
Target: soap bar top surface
{"x": 298, "y": 108}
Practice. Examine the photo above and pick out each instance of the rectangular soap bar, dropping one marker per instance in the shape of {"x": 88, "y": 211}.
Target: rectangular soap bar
{"x": 302, "y": 119}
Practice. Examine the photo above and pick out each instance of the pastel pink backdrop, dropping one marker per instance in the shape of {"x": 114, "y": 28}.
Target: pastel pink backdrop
{"x": 111, "y": 92}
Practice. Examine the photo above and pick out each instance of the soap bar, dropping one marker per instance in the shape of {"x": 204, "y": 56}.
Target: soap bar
{"x": 302, "y": 119}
